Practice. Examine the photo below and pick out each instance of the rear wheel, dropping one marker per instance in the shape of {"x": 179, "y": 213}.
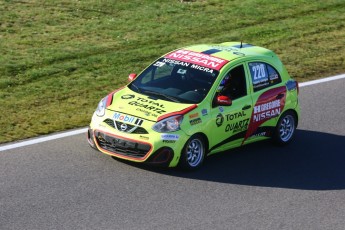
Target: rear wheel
{"x": 193, "y": 153}
{"x": 285, "y": 129}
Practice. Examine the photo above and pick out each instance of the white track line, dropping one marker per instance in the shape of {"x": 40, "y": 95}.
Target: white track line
{"x": 43, "y": 139}
{"x": 83, "y": 130}
{"x": 322, "y": 80}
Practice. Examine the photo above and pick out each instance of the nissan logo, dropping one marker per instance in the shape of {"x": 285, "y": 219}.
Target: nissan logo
{"x": 123, "y": 127}
{"x": 128, "y": 96}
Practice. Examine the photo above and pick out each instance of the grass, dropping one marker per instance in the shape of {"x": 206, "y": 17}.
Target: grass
{"x": 58, "y": 59}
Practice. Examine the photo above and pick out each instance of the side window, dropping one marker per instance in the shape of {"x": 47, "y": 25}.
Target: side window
{"x": 263, "y": 75}
{"x": 273, "y": 75}
{"x": 234, "y": 83}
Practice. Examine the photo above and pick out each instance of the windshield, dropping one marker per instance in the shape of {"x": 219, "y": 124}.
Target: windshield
{"x": 174, "y": 80}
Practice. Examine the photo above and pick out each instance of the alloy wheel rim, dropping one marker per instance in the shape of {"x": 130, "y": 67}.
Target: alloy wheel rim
{"x": 287, "y": 128}
{"x": 195, "y": 152}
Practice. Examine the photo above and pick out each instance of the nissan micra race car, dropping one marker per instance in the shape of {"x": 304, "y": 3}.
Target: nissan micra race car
{"x": 197, "y": 101}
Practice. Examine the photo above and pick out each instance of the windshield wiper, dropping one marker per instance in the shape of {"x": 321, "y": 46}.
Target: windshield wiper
{"x": 136, "y": 87}
{"x": 170, "y": 98}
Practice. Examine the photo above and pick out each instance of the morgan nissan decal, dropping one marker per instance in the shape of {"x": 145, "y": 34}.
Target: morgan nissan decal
{"x": 200, "y": 59}
{"x": 175, "y": 62}
{"x": 186, "y": 64}
{"x": 267, "y": 110}
{"x": 127, "y": 119}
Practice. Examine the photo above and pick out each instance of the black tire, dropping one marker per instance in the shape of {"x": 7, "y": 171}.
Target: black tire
{"x": 193, "y": 153}
{"x": 285, "y": 129}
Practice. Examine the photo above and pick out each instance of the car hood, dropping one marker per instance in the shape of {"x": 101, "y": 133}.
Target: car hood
{"x": 129, "y": 102}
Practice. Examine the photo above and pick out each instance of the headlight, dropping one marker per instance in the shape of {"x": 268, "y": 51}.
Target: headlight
{"x": 100, "y": 111}
{"x": 169, "y": 124}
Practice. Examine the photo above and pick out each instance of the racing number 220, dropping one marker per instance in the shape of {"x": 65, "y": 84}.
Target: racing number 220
{"x": 259, "y": 71}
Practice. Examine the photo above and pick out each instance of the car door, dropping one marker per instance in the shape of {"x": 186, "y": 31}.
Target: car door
{"x": 229, "y": 123}
{"x": 268, "y": 96}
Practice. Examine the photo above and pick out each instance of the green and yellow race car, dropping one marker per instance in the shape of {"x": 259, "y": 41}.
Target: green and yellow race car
{"x": 197, "y": 101}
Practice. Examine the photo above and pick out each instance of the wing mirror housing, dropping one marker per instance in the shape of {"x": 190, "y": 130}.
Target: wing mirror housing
{"x": 224, "y": 100}
{"x": 132, "y": 76}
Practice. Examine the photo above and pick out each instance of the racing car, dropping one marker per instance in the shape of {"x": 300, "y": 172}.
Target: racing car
{"x": 197, "y": 101}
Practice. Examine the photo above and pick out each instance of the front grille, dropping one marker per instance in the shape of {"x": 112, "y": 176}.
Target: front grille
{"x": 121, "y": 146}
{"x": 129, "y": 128}
{"x": 109, "y": 122}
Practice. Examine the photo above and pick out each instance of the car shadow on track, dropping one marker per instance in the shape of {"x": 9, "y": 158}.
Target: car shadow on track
{"x": 313, "y": 161}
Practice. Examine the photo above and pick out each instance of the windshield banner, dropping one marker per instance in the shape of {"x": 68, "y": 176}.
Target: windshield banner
{"x": 198, "y": 58}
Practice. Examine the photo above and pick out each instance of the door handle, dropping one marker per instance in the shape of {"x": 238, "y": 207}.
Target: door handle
{"x": 246, "y": 107}
{"x": 280, "y": 96}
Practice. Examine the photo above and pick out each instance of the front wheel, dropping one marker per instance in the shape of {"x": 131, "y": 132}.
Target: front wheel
{"x": 193, "y": 153}
{"x": 285, "y": 129}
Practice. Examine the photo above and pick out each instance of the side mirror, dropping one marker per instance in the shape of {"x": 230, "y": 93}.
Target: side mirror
{"x": 224, "y": 100}
{"x": 132, "y": 76}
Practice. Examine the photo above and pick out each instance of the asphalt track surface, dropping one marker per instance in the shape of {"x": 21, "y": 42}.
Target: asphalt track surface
{"x": 64, "y": 184}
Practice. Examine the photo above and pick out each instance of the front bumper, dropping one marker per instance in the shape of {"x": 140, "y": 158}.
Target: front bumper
{"x": 130, "y": 149}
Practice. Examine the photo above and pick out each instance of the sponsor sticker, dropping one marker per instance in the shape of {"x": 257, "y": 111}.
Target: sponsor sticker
{"x": 291, "y": 85}
{"x": 195, "y": 121}
{"x": 159, "y": 64}
{"x": 181, "y": 71}
{"x": 237, "y": 126}
{"x": 169, "y": 141}
{"x": 127, "y": 118}
{"x": 266, "y": 107}
{"x": 144, "y": 137}
{"x": 261, "y": 134}
{"x": 194, "y": 115}
{"x": 230, "y": 117}
{"x": 219, "y": 120}
{"x": 170, "y": 137}
{"x": 148, "y": 106}
{"x": 204, "y": 112}
{"x": 127, "y": 96}
{"x": 267, "y": 110}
